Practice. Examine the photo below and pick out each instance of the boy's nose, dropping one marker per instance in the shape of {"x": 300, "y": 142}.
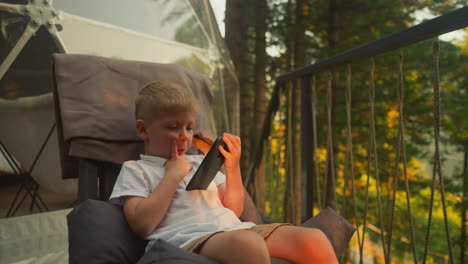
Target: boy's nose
{"x": 183, "y": 136}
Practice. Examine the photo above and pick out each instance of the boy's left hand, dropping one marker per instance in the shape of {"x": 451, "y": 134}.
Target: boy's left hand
{"x": 231, "y": 157}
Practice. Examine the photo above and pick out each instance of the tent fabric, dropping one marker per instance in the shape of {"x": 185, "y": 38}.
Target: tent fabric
{"x": 95, "y": 105}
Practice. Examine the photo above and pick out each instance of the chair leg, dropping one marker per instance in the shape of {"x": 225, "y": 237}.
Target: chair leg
{"x": 12, "y": 209}
{"x": 107, "y": 177}
{"x": 87, "y": 180}
{"x": 31, "y": 189}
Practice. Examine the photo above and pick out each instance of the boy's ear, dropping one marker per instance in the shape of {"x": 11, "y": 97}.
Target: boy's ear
{"x": 141, "y": 129}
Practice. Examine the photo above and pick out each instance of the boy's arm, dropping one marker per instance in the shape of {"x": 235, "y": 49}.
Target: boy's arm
{"x": 232, "y": 193}
{"x": 145, "y": 214}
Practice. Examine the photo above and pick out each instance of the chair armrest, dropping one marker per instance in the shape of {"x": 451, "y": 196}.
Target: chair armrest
{"x": 99, "y": 233}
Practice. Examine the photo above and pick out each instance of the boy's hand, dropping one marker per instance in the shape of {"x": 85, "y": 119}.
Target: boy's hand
{"x": 178, "y": 166}
{"x": 231, "y": 157}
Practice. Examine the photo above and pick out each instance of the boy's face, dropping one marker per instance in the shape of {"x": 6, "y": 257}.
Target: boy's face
{"x": 161, "y": 133}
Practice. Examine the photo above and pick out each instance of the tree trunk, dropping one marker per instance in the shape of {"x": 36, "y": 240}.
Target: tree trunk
{"x": 289, "y": 195}
{"x": 298, "y": 63}
{"x": 236, "y": 36}
{"x": 333, "y": 36}
{"x": 333, "y": 25}
{"x": 464, "y": 207}
{"x": 288, "y": 201}
{"x": 260, "y": 96}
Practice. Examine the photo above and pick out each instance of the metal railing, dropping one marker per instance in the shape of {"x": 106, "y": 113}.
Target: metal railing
{"x": 433, "y": 28}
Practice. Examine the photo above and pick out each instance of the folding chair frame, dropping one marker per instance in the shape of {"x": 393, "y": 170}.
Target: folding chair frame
{"x": 29, "y": 185}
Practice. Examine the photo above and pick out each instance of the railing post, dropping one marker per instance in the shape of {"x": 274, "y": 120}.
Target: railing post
{"x": 307, "y": 150}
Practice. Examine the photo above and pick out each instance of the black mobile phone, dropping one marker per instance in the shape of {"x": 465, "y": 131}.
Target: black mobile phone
{"x": 208, "y": 168}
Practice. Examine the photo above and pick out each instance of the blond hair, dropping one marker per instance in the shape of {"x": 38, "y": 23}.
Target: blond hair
{"x": 163, "y": 97}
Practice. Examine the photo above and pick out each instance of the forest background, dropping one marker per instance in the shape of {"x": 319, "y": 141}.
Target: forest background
{"x": 269, "y": 38}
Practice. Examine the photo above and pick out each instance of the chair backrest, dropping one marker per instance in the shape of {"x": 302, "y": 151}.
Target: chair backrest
{"x": 94, "y": 101}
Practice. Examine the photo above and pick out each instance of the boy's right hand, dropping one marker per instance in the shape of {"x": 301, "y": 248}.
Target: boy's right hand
{"x": 178, "y": 166}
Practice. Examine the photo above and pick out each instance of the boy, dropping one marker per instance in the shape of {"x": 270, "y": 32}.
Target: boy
{"x": 157, "y": 206}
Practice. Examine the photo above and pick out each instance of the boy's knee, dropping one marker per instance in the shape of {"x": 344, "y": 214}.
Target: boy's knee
{"x": 250, "y": 244}
{"x": 240, "y": 246}
{"x": 316, "y": 244}
{"x": 247, "y": 239}
{"x": 309, "y": 235}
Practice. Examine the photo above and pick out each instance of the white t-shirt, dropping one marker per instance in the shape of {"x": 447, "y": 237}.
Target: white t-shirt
{"x": 191, "y": 214}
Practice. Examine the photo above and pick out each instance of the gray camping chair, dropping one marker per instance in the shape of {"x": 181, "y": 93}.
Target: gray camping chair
{"x": 95, "y": 122}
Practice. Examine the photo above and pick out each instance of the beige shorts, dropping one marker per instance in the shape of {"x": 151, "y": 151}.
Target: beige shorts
{"x": 263, "y": 230}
